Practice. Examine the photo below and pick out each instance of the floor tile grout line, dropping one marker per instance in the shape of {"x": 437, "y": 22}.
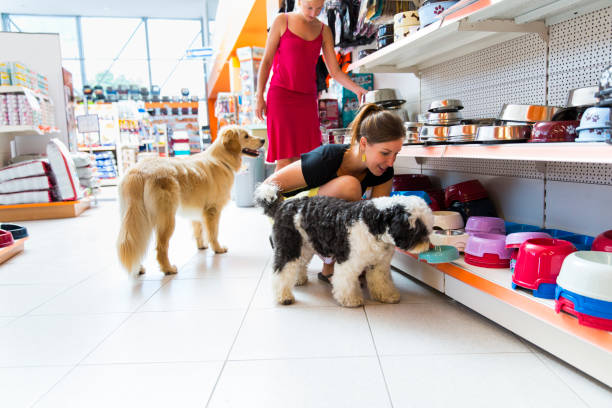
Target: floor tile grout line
{"x": 378, "y": 357}
{"x": 244, "y": 316}
{"x": 542, "y": 360}
{"x": 129, "y": 315}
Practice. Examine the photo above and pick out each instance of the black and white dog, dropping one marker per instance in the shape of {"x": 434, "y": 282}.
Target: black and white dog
{"x": 358, "y": 235}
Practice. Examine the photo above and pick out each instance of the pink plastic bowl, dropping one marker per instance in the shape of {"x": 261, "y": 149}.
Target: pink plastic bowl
{"x": 539, "y": 261}
{"x": 492, "y": 225}
{"x": 516, "y": 239}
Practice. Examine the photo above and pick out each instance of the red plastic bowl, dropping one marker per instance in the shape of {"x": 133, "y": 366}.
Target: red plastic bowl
{"x": 603, "y": 242}
{"x": 586, "y": 320}
{"x": 463, "y": 192}
{"x": 411, "y": 182}
{"x": 437, "y": 196}
{"x": 487, "y": 261}
{"x": 560, "y": 131}
{"x": 6, "y": 238}
{"x": 539, "y": 261}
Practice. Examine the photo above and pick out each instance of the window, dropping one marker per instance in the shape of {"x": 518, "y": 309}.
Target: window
{"x": 168, "y": 42}
{"x": 115, "y": 51}
{"x": 65, "y": 26}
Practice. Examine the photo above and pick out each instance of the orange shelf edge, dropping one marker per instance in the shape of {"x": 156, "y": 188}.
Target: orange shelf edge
{"x": 563, "y": 321}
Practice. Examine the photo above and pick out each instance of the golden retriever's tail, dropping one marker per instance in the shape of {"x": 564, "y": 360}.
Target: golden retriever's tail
{"x": 136, "y": 227}
{"x": 268, "y": 197}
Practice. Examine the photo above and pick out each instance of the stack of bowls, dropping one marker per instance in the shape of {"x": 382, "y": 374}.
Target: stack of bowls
{"x": 412, "y": 132}
{"x": 487, "y": 250}
{"x": 385, "y": 35}
{"x": 538, "y": 264}
{"x": 405, "y": 23}
{"x": 448, "y": 230}
{"x": 584, "y": 288}
{"x": 469, "y": 199}
{"x": 6, "y": 239}
{"x": 595, "y": 125}
{"x": 422, "y": 184}
{"x": 441, "y": 116}
{"x": 493, "y": 225}
{"x": 462, "y": 133}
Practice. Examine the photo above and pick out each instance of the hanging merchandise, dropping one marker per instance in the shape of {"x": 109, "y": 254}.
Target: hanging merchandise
{"x": 286, "y": 6}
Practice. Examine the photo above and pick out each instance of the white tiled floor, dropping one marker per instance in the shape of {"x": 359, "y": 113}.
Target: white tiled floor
{"x": 75, "y": 331}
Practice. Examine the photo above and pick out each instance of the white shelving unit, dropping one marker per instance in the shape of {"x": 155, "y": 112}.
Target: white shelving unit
{"x": 537, "y": 191}
{"x": 472, "y": 29}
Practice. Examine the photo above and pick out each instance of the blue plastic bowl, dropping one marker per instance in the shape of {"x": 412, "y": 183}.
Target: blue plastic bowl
{"x": 512, "y": 227}
{"x": 557, "y": 234}
{"x": 421, "y": 194}
{"x": 581, "y": 242}
{"x": 440, "y": 254}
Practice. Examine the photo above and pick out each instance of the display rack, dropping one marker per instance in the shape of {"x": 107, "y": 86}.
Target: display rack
{"x": 473, "y": 28}
{"x": 488, "y": 292}
{"x": 43, "y": 211}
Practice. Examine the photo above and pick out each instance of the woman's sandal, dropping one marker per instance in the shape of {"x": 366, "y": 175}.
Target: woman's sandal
{"x": 324, "y": 278}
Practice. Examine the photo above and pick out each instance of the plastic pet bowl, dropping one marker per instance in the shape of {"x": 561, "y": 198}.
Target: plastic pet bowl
{"x": 588, "y": 273}
{"x": 568, "y": 305}
{"x": 483, "y": 208}
{"x": 17, "y": 231}
{"x": 585, "y": 304}
{"x": 6, "y": 238}
{"x": 595, "y": 117}
{"x": 593, "y": 135}
{"x": 447, "y": 220}
{"x": 513, "y": 227}
{"x": 487, "y": 250}
{"x": 603, "y": 242}
{"x": 439, "y": 254}
{"x": 516, "y": 239}
{"x": 456, "y": 238}
{"x": 491, "y": 225}
{"x": 407, "y": 182}
{"x": 421, "y": 194}
{"x": 581, "y": 242}
{"x": 467, "y": 191}
{"x": 431, "y": 10}
{"x": 538, "y": 264}
{"x": 559, "y": 131}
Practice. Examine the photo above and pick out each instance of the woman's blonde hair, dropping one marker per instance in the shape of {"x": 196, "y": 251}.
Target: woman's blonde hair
{"x": 376, "y": 125}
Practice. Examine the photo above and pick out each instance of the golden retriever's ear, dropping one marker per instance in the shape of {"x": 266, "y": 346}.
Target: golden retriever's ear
{"x": 230, "y": 140}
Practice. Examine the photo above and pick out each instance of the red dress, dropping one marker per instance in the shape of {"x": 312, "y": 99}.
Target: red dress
{"x": 292, "y": 110}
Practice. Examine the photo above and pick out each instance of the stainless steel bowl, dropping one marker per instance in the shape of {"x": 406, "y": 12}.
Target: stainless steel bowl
{"x": 379, "y": 95}
{"x": 411, "y": 138}
{"x": 462, "y": 131}
{"x": 527, "y": 113}
{"x": 433, "y": 133}
{"x": 445, "y": 105}
{"x": 503, "y": 133}
{"x": 582, "y": 96}
{"x": 443, "y": 117}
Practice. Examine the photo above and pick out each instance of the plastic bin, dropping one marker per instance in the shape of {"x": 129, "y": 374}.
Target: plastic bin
{"x": 251, "y": 174}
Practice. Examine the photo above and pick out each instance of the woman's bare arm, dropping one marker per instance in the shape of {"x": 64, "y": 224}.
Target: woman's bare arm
{"x": 266, "y": 63}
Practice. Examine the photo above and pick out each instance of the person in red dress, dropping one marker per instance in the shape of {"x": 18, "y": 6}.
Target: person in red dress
{"x": 293, "y": 47}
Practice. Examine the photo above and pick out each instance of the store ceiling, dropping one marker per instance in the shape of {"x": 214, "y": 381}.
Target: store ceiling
{"x": 113, "y": 8}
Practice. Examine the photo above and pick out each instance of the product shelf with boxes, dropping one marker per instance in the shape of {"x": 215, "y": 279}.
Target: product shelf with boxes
{"x": 489, "y": 292}
{"x": 477, "y": 26}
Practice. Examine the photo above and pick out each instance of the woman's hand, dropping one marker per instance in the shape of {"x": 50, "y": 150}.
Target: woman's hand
{"x": 360, "y": 92}
{"x": 260, "y": 108}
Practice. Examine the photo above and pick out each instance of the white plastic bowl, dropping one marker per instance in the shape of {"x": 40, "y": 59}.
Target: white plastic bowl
{"x": 447, "y": 220}
{"x": 456, "y": 238}
{"x": 588, "y": 273}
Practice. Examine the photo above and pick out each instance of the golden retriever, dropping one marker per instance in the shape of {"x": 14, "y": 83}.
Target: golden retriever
{"x": 198, "y": 186}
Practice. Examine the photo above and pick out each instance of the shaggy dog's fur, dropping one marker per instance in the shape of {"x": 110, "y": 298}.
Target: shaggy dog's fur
{"x": 198, "y": 186}
{"x": 358, "y": 235}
